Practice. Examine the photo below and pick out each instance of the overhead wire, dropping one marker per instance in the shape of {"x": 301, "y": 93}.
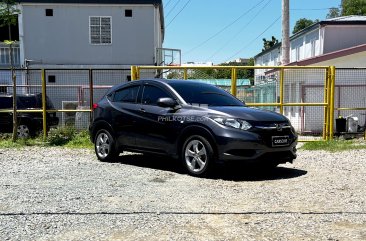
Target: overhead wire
{"x": 171, "y": 10}
{"x": 224, "y": 28}
{"x": 178, "y": 13}
{"x": 237, "y": 34}
{"x": 167, "y": 4}
{"x": 309, "y": 9}
{"x": 255, "y": 39}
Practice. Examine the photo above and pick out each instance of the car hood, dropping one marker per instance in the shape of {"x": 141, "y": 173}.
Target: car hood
{"x": 250, "y": 114}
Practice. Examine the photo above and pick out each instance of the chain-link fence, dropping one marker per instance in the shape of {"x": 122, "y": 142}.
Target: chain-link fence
{"x": 350, "y": 100}
{"x": 71, "y": 91}
{"x": 302, "y": 94}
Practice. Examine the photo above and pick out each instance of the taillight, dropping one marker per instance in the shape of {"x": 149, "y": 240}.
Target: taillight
{"x": 95, "y": 106}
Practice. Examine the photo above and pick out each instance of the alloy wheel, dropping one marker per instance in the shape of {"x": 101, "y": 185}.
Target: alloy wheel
{"x": 195, "y": 156}
{"x": 103, "y": 145}
{"x": 23, "y": 131}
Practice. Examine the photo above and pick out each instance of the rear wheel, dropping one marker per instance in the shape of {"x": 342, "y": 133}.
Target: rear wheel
{"x": 24, "y": 130}
{"x": 104, "y": 146}
{"x": 197, "y": 156}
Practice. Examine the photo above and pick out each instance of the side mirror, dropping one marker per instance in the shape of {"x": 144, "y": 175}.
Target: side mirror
{"x": 167, "y": 102}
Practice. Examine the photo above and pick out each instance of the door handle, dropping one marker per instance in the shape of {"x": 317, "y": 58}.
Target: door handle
{"x": 142, "y": 110}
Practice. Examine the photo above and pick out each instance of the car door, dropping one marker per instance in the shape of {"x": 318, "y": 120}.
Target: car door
{"x": 6, "y": 118}
{"x": 156, "y": 126}
{"x": 124, "y": 110}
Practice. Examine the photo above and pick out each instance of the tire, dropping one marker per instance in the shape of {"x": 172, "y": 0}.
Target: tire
{"x": 104, "y": 146}
{"x": 24, "y": 130}
{"x": 197, "y": 156}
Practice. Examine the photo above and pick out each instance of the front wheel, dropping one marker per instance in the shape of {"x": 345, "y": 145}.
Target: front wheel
{"x": 197, "y": 155}
{"x": 104, "y": 146}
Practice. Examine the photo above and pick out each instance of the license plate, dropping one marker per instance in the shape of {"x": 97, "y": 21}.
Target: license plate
{"x": 280, "y": 141}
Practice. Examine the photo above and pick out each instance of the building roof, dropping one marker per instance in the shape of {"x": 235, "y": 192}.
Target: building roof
{"x": 344, "y": 20}
{"x": 351, "y": 18}
{"x": 95, "y": 1}
{"x": 330, "y": 56}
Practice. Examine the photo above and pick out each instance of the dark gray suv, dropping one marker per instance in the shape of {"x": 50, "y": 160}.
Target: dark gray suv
{"x": 198, "y": 123}
{"x": 28, "y": 123}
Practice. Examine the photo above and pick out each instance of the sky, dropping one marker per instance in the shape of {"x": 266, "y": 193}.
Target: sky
{"x": 222, "y": 30}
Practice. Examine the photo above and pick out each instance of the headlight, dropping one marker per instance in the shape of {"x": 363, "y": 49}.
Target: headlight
{"x": 234, "y": 123}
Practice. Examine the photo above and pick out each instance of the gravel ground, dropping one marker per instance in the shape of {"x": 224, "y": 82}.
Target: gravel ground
{"x": 65, "y": 194}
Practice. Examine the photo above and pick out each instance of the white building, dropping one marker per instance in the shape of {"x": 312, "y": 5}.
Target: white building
{"x": 340, "y": 42}
{"x": 321, "y": 38}
{"x": 90, "y": 33}
{"x": 70, "y": 37}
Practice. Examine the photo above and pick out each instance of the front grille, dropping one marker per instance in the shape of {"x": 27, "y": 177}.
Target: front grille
{"x": 269, "y": 129}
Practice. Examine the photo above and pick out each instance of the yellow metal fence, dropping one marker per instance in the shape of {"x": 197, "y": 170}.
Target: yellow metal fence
{"x": 304, "y": 94}
{"x": 309, "y": 96}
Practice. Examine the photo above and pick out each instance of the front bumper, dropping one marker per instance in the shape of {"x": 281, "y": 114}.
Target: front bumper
{"x": 251, "y": 147}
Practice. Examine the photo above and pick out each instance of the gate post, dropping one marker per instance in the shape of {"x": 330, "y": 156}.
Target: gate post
{"x": 185, "y": 74}
{"x": 44, "y": 106}
{"x": 282, "y": 72}
{"x": 91, "y": 94}
{"x": 327, "y": 107}
{"x": 233, "y": 81}
{"x": 134, "y": 74}
{"x": 331, "y": 114}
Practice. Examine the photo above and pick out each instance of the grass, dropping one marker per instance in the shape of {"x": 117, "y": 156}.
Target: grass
{"x": 80, "y": 140}
{"x": 71, "y": 138}
{"x": 335, "y": 145}
{"x": 65, "y": 137}
{"x": 8, "y": 143}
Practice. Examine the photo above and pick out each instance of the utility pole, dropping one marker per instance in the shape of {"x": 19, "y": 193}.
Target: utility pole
{"x": 285, "y": 32}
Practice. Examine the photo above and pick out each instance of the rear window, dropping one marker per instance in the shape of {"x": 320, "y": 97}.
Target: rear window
{"x": 28, "y": 102}
{"x": 25, "y": 102}
{"x": 34, "y": 102}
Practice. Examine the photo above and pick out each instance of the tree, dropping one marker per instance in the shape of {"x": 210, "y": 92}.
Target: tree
{"x": 348, "y": 7}
{"x": 353, "y": 7}
{"x": 334, "y": 13}
{"x": 267, "y": 44}
{"x": 8, "y": 17}
{"x": 303, "y": 23}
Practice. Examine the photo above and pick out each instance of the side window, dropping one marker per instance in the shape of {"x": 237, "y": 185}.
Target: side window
{"x": 152, "y": 94}
{"x": 128, "y": 94}
{"x": 6, "y": 103}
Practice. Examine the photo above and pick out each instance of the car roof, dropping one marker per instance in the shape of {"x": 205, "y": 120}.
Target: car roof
{"x": 163, "y": 81}
{"x": 18, "y": 95}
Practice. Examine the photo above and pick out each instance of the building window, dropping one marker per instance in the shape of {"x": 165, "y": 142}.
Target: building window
{"x": 2, "y": 89}
{"x": 297, "y": 53}
{"x": 128, "y": 13}
{"x": 49, "y": 12}
{"x": 51, "y": 79}
{"x": 313, "y": 48}
{"x": 100, "y": 29}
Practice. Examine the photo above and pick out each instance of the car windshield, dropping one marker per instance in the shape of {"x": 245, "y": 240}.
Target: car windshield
{"x": 204, "y": 94}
